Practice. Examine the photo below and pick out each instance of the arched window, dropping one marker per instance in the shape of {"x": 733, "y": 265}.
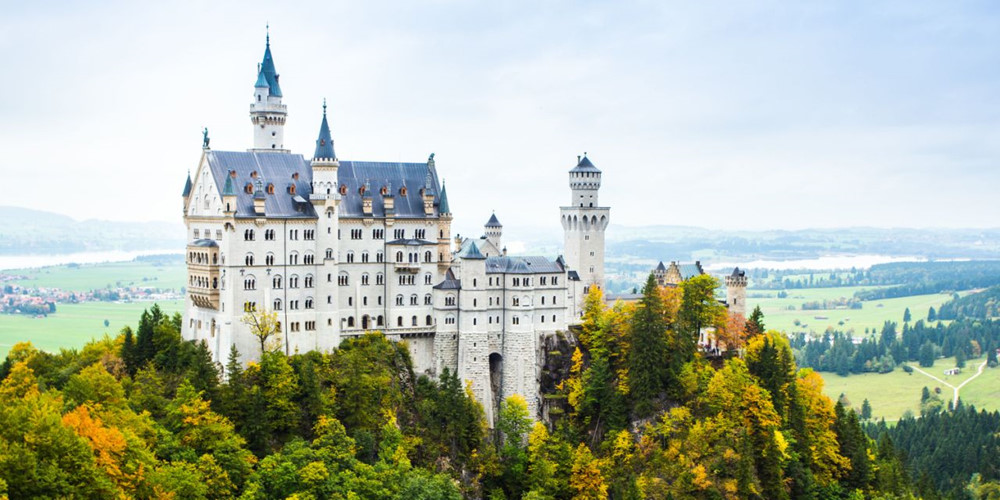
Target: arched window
{"x": 350, "y": 321}
{"x": 277, "y": 304}
{"x": 399, "y": 321}
{"x": 399, "y": 256}
{"x": 399, "y": 300}
{"x": 427, "y": 256}
{"x": 430, "y": 321}
{"x": 413, "y": 321}
{"x": 276, "y": 281}
{"x": 249, "y": 259}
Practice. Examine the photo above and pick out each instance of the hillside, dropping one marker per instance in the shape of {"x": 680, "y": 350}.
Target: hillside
{"x": 24, "y": 231}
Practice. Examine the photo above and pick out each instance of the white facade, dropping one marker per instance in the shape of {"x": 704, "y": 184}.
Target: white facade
{"x": 339, "y": 248}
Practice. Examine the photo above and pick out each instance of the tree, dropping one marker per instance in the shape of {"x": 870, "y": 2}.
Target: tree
{"x": 926, "y": 356}
{"x": 866, "y": 410}
{"x": 991, "y": 357}
{"x": 755, "y": 323}
{"x": 263, "y": 324}
{"x": 931, "y": 314}
{"x": 587, "y": 481}
{"x": 907, "y": 316}
{"x": 513, "y": 424}
{"x": 648, "y": 370}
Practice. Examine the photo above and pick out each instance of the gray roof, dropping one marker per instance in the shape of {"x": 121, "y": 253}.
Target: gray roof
{"x": 187, "y": 186}
{"x": 584, "y": 165}
{"x": 737, "y": 273}
{"x": 690, "y": 270}
{"x": 450, "y": 282}
{"x": 410, "y": 242}
{"x": 354, "y": 174}
{"x": 573, "y": 276}
{"x": 522, "y": 265}
{"x": 443, "y": 200}
{"x": 470, "y": 252}
{"x": 493, "y": 222}
{"x": 274, "y": 168}
{"x": 324, "y": 143}
{"x": 661, "y": 267}
{"x": 205, "y": 243}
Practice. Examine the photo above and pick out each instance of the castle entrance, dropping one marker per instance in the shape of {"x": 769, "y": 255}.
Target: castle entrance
{"x": 496, "y": 381}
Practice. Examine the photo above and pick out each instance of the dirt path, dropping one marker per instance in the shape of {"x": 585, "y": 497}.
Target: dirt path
{"x": 954, "y": 401}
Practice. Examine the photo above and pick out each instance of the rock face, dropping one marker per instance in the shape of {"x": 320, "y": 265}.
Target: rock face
{"x": 555, "y": 359}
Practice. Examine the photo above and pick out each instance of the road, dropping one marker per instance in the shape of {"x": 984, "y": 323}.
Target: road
{"x": 954, "y": 402}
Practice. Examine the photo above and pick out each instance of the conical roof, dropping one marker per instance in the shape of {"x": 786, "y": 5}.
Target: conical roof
{"x": 443, "y": 207}
{"x": 324, "y": 143}
{"x": 493, "y": 222}
{"x": 187, "y": 186}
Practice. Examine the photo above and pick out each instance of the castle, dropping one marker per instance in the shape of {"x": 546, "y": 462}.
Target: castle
{"x": 338, "y": 248}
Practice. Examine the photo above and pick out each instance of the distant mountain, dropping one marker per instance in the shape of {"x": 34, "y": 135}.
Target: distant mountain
{"x": 26, "y": 231}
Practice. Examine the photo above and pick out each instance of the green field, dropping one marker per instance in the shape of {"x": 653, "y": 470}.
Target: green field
{"x": 74, "y": 324}
{"x": 84, "y": 277}
{"x": 779, "y": 316}
{"x": 891, "y": 394}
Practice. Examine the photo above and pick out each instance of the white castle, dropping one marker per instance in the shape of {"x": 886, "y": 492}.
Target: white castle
{"x": 339, "y": 248}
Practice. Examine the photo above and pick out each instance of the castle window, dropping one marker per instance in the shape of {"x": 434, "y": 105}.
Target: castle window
{"x": 309, "y": 281}
{"x": 449, "y": 300}
{"x": 350, "y": 321}
{"x": 427, "y": 256}
{"x": 293, "y": 282}
{"x": 276, "y": 282}
{"x": 343, "y": 189}
{"x": 269, "y": 259}
{"x": 249, "y": 259}
{"x": 399, "y": 321}
{"x": 399, "y": 256}
{"x": 413, "y": 299}
{"x": 364, "y": 301}
{"x": 429, "y": 320}
{"x": 399, "y": 233}
{"x": 449, "y": 320}
{"x": 364, "y": 256}
{"x": 364, "y": 279}
{"x": 342, "y": 279}
{"x": 277, "y": 304}
{"x": 515, "y": 320}
{"x": 399, "y": 300}
{"x": 329, "y": 253}
{"x": 475, "y": 302}
{"x": 543, "y": 300}
{"x": 270, "y": 187}
{"x": 379, "y": 279}
{"x": 378, "y": 234}
{"x": 427, "y": 279}
{"x": 402, "y": 191}
{"x": 218, "y": 234}
{"x": 473, "y": 321}
{"x": 553, "y": 300}
{"x": 515, "y": 301}
{"x": 427, "y": 299}
{"x": 350, "y": 256}
{"x": 413, "y": 321}
{"x": 555, "y": 280}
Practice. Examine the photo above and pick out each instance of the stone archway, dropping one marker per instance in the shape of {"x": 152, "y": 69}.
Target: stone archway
{"x": 496, "y": 382}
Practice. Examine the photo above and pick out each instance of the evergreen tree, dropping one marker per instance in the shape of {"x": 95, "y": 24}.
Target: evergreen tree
{"x": 991, "y": 357}
{"x": 755, "y": 323}
{"x": 866, "y": 410}
{"x": 906, "y": 315}
{"x": 648, "y": 361}
{"x": 931, "y": 314}
{"x": 927, "y": 354}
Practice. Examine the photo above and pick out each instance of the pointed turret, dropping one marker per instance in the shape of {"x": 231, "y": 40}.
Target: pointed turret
{"x": 324, "y": 143}
{"x": 187, "y": 186}
{"x": 494, "y": 231}
{"x": 266, "y": 112}
{"x": 443, "y": 207}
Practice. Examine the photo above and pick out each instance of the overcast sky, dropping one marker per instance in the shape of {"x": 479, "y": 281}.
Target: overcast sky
{"x": 717, "y": 114}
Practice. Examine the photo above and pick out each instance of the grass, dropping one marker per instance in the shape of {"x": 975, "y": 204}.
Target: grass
{"x": 891, "y": 394}
{"x": 85, "y": 277}
{"x": 74, "y": 324}
{"x": 872, "y": 315}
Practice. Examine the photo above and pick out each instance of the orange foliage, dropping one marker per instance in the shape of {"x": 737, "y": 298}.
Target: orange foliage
{"x": 108, "y": 443}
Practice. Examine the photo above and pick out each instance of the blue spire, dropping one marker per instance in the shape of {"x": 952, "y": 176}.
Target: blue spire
{"x": 443, "y": 203}
{"x": 267, "y": 69}
{"x": 324, "y": 143}
{"x": 187, "y": 186}
{"x": 261, "y": 79}
{"x": 228, "y": 189}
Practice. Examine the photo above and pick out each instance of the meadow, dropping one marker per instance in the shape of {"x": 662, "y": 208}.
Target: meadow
{"x": 892, "y": 394}
{"x": 782, "y": 313}
{"x": 167, "y": 273}
{"x": 74, "y": 324}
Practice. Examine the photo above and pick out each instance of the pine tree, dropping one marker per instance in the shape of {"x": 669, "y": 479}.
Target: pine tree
{"x": 648, "y": 358}
{"x": 866, "y": 410}
{"x": 907, "y": 316}
{"x": 931, "y": 314}
{"x": 755, "y": 323}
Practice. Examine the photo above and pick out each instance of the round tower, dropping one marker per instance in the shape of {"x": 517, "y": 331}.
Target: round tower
{"x": 736, "y": 292}
{"x": 493, "y": 230}
{"x": 266, "y": 111}
{"x": 584, "y": 222}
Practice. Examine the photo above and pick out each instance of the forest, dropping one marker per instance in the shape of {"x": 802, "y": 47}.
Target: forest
{"x": 646, "y": 414}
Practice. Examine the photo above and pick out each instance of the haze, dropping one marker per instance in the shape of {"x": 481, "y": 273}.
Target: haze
{"x": 721, "y": 115}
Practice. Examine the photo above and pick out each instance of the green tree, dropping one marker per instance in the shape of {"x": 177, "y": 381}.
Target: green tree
{"x": 926, "y": 356}
{"x": 513, "y": 424}
{"x": 907, "y": 316}
{"x": 931, "y": 314}
{"x": 755, "y": 323}
{"x": 648, "y": 368}
{"x": 866, "y": 410}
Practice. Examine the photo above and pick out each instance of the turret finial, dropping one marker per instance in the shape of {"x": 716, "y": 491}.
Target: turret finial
{"x": 324, "y": 106}
{"x": 267, "y": 29}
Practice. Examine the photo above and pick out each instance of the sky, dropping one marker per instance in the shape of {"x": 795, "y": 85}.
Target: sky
{"x": 725, "y": 115}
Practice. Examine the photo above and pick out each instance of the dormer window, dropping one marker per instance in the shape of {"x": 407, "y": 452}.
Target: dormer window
{"x": 295, "y": 176}
{"x": 343, "y": 189}
{"x": 291, "y": 189}
{"x": 270, "y": 188}
{"x": 249, "y": 188}
{"x": 361, "y": 190}
{"x": 384, "y": 191}
{"x": 253, "y": 175}
{"x": 402, "y": 191}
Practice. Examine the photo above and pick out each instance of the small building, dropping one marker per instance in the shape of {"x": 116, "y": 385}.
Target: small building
{"x": 953, "y": 371}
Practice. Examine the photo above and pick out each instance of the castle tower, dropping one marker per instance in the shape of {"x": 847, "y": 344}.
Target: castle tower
{"x": 325, "y": 200}
{"x": 266, "y": 112}
{"x": 736, "y": 292}
{"x": 584, "y": 222}
{"x": 493, "y": 230}
{"x": 444, "y": 231}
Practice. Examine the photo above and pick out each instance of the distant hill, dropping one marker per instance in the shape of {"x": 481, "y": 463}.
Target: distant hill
{"x": 26, "y": 231}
